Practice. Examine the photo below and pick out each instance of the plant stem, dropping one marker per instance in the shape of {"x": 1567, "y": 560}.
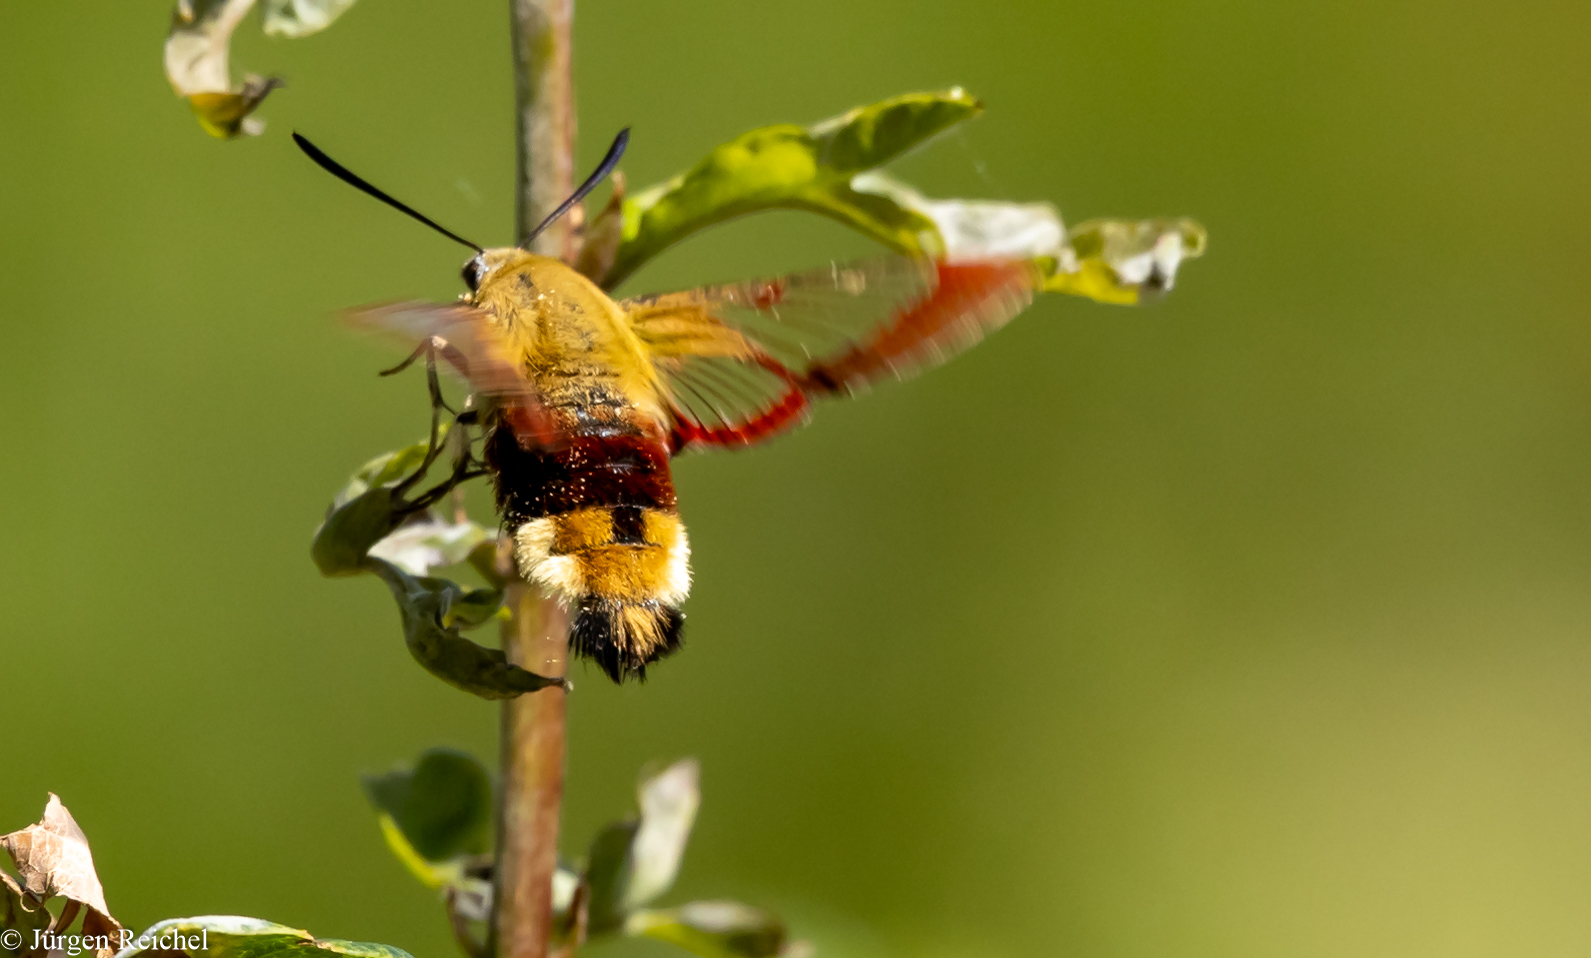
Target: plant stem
{"x": 544, "y": 91}
{"x": 536, "y": 635}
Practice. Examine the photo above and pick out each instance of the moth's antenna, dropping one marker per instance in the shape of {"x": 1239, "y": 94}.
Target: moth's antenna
{"x": 348, "y": 176}
{"x": 597, "y": 176}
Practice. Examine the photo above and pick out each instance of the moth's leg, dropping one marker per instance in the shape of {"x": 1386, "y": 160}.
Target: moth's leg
{"x": 434, "y": 385}
{"x": 433, "y": 446}
{"x": 418, "y": 352}
{"x": 465, "y": 465}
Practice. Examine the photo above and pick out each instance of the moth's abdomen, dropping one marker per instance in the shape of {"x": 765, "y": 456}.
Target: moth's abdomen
{"x": 594, "y": 526}
{"x": 622, "y": 571}
{"x": 585, "y": 471}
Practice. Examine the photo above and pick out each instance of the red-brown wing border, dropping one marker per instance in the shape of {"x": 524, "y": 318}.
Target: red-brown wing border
{"x": 742, "y": 362}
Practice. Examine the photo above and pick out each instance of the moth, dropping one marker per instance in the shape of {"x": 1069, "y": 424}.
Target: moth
{"x": 585, "y": 399}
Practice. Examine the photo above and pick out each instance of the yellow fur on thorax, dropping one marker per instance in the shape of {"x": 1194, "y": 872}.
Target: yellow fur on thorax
{"x": 572, "y": 336}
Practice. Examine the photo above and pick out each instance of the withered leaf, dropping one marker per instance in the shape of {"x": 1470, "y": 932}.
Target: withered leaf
{"x": 197, "y": 65}
{"x": 300, "y": 18}
{"x": 53, "y": 858}
{"x": 1126, "y": 261}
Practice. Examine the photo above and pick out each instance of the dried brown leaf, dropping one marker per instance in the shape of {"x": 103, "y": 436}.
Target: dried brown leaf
{"x": 53, "y": 858}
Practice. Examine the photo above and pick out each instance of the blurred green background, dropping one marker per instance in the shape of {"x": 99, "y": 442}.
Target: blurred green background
{"x": 1254, "y": 623}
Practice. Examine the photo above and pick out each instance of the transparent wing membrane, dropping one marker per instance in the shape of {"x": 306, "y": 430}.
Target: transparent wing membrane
{"x": 740, "y": 361}
{"x": 475, "y": 349}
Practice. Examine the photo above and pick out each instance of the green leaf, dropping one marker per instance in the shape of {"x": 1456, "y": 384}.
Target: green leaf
{"x": 632, "y": 862}
{"x": 1125, "y": 261}
{"x": 368, "y": 510}
{"x": 21, "y": 912}
{"x": 196, "y": 56}
{"x": 342, "y": 544}
{"x": 607, "y": 875}
{"x": 713, "y": 929}
{"x": 465, "y": 878}
{"x": 831, "y": 168}
{"x": 793, "y": 167}
{"x": 483, "y": 559}
{"x": 432, "y": 611}
{"x": 436, "y": 818}
{"x": 300, "y": 18}
{"x": 392, "y": 466}
{"x": 431, "y": 874}
{"x": 442, "y": 805}
{"x": 474, "y": 608}
{"x": 230, "y": 936}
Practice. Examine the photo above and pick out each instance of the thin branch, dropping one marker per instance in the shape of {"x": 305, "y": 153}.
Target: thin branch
{"x": 536, "y": 635}
{"x": 544, "y": 92}
{"x": 535, "y": 638}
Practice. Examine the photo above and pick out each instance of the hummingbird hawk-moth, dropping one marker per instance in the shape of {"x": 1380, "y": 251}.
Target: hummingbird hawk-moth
{"x": 584, "y": 400}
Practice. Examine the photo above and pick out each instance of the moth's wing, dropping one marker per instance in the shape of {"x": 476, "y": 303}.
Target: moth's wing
{"x": 741, "y": 362}
{"x": 477, "y": 350}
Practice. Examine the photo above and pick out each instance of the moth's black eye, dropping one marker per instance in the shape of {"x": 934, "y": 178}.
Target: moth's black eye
{"x": 473, "y": 271}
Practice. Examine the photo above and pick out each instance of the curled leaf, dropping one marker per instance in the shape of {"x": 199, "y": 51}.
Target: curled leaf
{"x": 713, "y": 929}
{"x": 232, "y": 936}
{"x": 342, "y": 544}
{"x": 793, "y": 167}
{"x": 1125, "y": 261}
{"x": 369, "y": 509}
{"x": 53, "y": 859}
{"x": 196, "y": 55}
{"x": 300, "y": 18}
{"x": 433, "y": 610}
{"x": 465, "y": 882}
